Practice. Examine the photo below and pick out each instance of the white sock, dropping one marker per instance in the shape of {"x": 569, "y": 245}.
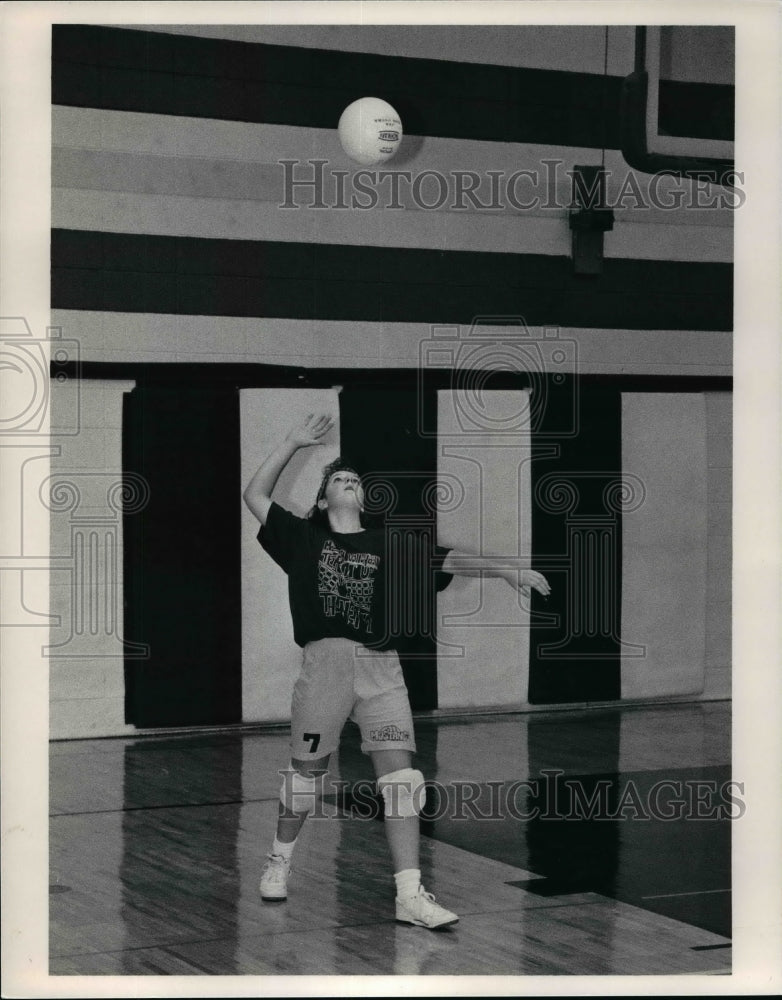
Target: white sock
{"x": 284, "y": 850}
{"x": 407, "y": 882}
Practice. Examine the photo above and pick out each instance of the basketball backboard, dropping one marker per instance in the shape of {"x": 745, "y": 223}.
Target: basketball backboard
{"x": 677, "y": 107}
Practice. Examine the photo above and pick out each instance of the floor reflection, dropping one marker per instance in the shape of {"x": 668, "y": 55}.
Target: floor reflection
{"x": 404, "y": 947}
{"x": 157, "y": 847}
{"x": 576, "y": 853}
{"x": 179, "y": 872}
{"x": 613, "y": 830}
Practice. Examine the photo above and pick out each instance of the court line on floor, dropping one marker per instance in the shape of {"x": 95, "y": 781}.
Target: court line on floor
{"x": 304, "y": 929}
{"x": 165, "y": 805}
{"x": 697, "y": 892}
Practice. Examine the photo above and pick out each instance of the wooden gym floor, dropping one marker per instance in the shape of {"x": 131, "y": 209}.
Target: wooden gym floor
{"x": 157, "y": 844}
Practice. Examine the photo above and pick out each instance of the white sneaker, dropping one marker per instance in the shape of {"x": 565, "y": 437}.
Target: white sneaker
{"x": 274, "y": 879}
{"x": 423, "y": 911}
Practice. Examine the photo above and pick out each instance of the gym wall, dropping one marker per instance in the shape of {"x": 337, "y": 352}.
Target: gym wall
{"x": 170, "y": 248}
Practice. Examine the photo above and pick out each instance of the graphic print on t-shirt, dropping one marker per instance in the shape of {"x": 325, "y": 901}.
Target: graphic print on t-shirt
{"x": 346, "y": 582}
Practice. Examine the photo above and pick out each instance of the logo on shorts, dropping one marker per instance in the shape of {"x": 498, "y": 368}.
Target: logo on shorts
{"x": 389, "y": 734}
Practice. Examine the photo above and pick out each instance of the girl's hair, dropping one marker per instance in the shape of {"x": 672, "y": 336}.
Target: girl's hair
{"x": 321, "y": 517}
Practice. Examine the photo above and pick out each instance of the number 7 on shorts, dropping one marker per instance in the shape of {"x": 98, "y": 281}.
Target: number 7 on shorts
{"x": 314, "y": 739}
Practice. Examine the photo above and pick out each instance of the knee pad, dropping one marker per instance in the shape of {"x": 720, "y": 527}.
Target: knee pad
{"x": 299, "y": 792}
{"x": 403, "y": 792}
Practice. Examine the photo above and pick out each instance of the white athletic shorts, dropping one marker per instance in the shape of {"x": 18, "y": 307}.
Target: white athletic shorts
{"x": 337, "y": 684}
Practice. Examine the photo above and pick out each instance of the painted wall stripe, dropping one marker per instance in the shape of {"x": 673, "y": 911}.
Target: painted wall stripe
{"x": 173, "y": 215}
{"x": 118, "y": 336}
{"x": 484, "y": 631}
{"x": 697, "y": 110}
{"x": 94, "y": 66}
{"x": 102, "y": 150}
{"x": 665, "y": 539}
{"x": 135, "y": 273}
{"x": 580, "y": 48}
{"x": 577, "y": 543}
{"x": 237, "y": 219}
{"x": 183, "y": 586}
{"x": 271, "y": 660}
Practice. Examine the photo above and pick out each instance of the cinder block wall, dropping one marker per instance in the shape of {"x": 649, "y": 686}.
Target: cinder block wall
{"x": 169, "y": 245}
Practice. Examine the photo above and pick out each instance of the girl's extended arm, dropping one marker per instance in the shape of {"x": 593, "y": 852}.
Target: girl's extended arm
{"x": 509, "y": 568}
{"x": 258, "y": 495}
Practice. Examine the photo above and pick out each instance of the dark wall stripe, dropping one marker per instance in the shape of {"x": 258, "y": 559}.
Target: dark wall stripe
{"x": 133, "y": 70}
{"x": 696, "y": 110}
{"x": 120, "y": 272}
{"x": 577, "y": 544}
{"x": 182, "y": 560}
{"x": 379, "y": 435}
{"x": 257, "y": 376}
{"x": 147, "y": 71}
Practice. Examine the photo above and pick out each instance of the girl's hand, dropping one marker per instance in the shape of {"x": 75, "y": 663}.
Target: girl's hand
{"x": 311, "y": 431}
{"x": 529, "y": 578}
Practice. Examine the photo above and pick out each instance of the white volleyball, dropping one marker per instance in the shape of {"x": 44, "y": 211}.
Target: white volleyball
{"x": 370, "y": 131}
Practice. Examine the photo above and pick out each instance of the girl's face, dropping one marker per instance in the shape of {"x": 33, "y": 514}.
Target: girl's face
{"x": 344, "y": 486}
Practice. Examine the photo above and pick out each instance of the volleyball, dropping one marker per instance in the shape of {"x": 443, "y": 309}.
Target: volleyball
{"x": 370, "y": 131}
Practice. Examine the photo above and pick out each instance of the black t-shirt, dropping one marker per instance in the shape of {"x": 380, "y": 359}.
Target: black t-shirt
{"x": 372, "y": 586}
